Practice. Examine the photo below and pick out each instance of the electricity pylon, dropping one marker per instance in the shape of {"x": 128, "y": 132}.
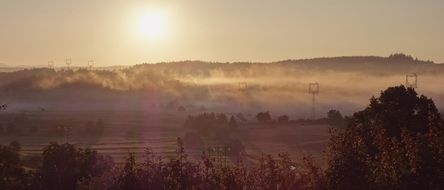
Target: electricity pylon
{"x": 68, "y": 62}
{"x": 411, "y": 80}
{"x": 243, "y": 86}
{"x": 50, "y": 64}
{"x": 313, "y": 89}
{"x": 90, "y": 64}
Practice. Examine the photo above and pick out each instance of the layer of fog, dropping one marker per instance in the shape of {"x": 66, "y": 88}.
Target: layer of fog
{"x": 278, "y": 89}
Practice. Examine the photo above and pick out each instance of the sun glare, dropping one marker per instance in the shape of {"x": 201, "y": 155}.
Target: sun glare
{"x": 152, "y": 25}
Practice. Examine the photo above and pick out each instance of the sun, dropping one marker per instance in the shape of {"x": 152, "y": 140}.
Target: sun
{"x": 152, "y": 25}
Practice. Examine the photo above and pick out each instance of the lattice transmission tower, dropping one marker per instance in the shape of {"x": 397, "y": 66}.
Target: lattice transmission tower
{"x": 313, "y": 89}
{"x": 50, "y": 64}
{"x": 411, "y": 80}
{"x": 243, "y": 86}
{"x": 90, "y": 64}
{"x": 68, "y": 63}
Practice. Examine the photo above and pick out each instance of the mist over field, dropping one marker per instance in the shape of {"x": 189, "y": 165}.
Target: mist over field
{"x": 346, "y": 84}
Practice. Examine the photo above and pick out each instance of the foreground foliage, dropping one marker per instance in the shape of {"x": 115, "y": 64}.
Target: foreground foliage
{"x": 397, "y": 142}
{"x": 66, "y": 167}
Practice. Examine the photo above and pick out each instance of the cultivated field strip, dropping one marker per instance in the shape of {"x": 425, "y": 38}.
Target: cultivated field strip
{"x": 120, "y": 150}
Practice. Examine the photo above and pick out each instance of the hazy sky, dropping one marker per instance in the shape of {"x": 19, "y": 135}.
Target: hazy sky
{"x": 108, "y": 31}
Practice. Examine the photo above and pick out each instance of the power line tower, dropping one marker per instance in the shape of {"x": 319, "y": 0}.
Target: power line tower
{"x": 411, "y": 80}
{"x": 243, "y": 86}
{"x": 313, "y": 89}
{"x": 50, "y": 64}
{"x": 68, "y": 62}
{"x": 65, "y": 132}
{"x": 90, "y": 64}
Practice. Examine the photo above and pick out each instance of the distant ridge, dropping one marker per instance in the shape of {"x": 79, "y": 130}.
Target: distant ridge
{"x": 394, "y": 58}
{"x": 397, "y": 58}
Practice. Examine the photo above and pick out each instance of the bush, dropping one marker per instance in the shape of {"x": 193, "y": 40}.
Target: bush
{"x": 263, "y": 117}
{"x": 283, "y": 119}
{"x": 206, "y": 122}
{"x": 181, "y": 109}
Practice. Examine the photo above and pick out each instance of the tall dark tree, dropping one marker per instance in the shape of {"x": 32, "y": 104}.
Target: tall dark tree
{"x": 263, "y": 117}
{"x": 222, "y": 118}
{"x": 12, "y": 175}
{"x": 283, "y": 119}
{"x": 395, "y": 143}
{"x": 64, "y": 166}
{"x": 336, "y": 119}
{"x": 99, "y": 126}
{"x": 233, "y": 123}
{"x": 128, "y": 178}
{"x": 241, "y": 117}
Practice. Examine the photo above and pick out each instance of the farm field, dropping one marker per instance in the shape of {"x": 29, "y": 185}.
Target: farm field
{"x": 137, "y": 131}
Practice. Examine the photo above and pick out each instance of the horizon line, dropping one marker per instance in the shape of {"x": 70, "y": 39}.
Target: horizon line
{"x": 5, "y": 65}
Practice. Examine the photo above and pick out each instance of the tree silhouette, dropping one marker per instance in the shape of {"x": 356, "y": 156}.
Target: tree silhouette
{"x": 233, "y": 123}
{"x": 128, "y": 178}
{"x": 207, "y": 123}
{"x": 241, "y": 117}
{"x": 64, "y": 166}
{"x": 283, "y": 119}
{"x": 263, "y": 117}
{"x": 336, "y": 119}
{"x": 395, "y": 143}
{"x": 12, "y": 175}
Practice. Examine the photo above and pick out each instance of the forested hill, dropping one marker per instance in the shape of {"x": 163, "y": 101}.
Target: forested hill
{"x": 392, "y": 64}
{"x": 183, "y": 73}
{"x": 392, "y": 59}
{"x": 345, "y": 62}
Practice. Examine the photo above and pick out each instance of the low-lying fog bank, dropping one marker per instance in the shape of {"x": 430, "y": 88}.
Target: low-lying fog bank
{"x": 345, "y": 83}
